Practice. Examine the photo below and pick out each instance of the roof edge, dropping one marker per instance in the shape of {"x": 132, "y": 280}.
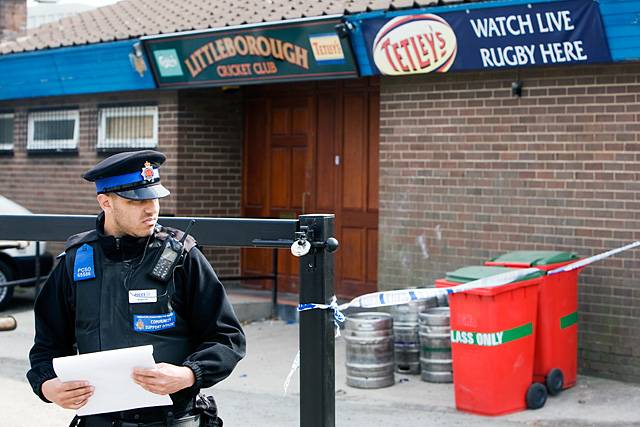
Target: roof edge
{"x": 242, "y": 26}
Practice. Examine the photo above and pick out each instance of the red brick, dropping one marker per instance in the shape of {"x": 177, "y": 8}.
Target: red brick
{"x": 565, "y": 178}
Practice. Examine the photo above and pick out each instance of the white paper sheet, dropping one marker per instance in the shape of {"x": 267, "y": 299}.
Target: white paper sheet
{"x": 110, "y": 373}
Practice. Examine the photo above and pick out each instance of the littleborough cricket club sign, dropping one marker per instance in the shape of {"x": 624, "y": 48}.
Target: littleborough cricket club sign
{"x": 214, "y": 53}
{"x": 285, "y": 52}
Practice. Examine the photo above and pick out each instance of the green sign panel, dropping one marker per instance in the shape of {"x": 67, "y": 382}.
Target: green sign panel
{"x": 308, "y": 50}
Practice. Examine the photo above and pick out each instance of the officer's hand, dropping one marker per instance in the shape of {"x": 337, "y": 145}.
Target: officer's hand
{"x": 164, "y": 378}
{"x": 69, "y": 395}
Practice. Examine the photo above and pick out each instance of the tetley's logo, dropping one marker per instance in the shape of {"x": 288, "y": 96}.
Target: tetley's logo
{"x": 415, "y": 44}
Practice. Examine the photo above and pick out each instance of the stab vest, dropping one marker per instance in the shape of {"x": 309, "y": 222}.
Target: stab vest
{"x": 105, "y": 319}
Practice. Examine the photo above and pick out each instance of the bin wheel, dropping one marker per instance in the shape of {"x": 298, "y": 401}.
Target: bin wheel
{"x": 555, "y": 381}
{"x": 536, "y": 396}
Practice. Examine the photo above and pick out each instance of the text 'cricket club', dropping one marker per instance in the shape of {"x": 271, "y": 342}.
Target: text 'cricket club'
{"x": 415, "y": 44}
{"x": 245, "y": 45}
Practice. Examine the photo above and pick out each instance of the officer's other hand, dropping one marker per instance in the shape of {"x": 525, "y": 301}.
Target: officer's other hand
{"x": 69, "y": 395}
{"x": 165, "y": 378}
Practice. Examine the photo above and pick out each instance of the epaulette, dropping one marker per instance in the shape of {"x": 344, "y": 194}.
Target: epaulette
{"x": 77, "y": 239}
{"x": 165, "y": 232}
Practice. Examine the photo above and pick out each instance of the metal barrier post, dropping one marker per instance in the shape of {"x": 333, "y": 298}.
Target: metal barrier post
{"x": 37, "y": 268}
{"x": 274, "y": 288}
{"x": 317, "y": 345}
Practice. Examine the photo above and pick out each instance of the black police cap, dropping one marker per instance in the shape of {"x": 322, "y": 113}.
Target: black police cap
{"x": 133, "y": 175}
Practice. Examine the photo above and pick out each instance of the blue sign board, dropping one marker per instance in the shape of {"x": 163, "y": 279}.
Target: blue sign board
{"x": 525, "y": 35}
{"x": 620, "y": 19}
{"x": 94, "y": 68}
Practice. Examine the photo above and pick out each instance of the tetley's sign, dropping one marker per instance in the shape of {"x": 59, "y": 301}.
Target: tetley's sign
{"x": 287, "y": 52}
{"x": 415, "y": 44}
{"x": 535, "y": 34}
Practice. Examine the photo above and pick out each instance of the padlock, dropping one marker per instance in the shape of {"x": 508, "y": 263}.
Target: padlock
{"x": 300, "y": 247}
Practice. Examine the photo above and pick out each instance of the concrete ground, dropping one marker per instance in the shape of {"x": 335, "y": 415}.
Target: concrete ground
{"x": 253, "y": 394}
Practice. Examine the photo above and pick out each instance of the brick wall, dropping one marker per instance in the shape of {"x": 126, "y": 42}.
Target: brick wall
{"x": 52, "y": 183}
{"x": 210, "y": 163}
{"x": 468, "y": 172}
{"x": 199, "y": 132}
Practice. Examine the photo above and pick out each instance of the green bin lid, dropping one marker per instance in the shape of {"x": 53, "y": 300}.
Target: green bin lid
{"x": 534, "y": 258}
{"x": 475, "y": 272}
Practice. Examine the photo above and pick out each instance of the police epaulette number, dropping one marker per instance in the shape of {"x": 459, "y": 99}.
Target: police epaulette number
{"x": 83, "y": 266}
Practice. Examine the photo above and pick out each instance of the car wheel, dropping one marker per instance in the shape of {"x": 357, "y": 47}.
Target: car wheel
{"x": 6, "y": 292}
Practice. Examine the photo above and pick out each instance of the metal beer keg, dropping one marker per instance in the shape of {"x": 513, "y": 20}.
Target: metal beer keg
{"x": 435, "y": 345}
{"x": 369, "y": 350}
{"x": 405, "y": 335}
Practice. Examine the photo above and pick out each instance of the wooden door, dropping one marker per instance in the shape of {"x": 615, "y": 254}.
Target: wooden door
{"x": 315, "y": 152}
{"x": 278, "y": 174}
{"x": 358, "y": 190}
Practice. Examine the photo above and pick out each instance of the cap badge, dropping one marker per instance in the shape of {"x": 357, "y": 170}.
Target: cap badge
{"x": 147, "y": 172}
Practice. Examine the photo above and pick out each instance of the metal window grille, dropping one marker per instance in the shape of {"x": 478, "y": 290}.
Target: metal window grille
{"x": 53, "y": 130}
{"x": 127, "y": 127}
{"x": 6, "y": 132}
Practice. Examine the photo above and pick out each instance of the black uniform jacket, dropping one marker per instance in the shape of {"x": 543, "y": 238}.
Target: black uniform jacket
{"x": 199, "y": 301}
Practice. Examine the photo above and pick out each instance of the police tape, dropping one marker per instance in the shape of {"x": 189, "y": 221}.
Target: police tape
{"x": 404, "y": 296}
{"x": 294, "y": 367}
{"x": 592, "y": 259}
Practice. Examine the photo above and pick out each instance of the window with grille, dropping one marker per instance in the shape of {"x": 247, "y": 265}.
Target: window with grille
{"x": 53, "y": 130}
{"x": 128, "y": 127}
{"x": 6, "y": 132}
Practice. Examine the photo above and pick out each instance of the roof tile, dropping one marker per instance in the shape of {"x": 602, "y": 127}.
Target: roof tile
{"x": 135, "y": 18}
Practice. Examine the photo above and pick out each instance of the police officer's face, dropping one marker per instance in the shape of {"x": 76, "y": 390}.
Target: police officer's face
{"x": 131, "y": 217}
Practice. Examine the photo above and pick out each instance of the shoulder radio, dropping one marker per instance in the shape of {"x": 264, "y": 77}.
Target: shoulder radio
{"x": 169, "y": 256}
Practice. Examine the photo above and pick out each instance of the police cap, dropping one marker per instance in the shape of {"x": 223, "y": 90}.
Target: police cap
{"x": 133, "y": 175}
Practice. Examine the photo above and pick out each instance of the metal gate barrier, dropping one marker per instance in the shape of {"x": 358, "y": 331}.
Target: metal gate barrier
{"x": 317, "y": 345}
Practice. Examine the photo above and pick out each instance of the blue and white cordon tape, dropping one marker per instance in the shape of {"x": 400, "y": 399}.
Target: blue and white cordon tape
{"x": 403, "y": 296}
{"x": 592, "y": 259}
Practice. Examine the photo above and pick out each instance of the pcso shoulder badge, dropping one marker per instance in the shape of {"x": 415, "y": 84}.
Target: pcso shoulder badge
{"x": 83, "y": 268}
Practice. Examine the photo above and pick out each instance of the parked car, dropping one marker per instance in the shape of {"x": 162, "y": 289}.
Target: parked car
{"x": 17, "y": 258}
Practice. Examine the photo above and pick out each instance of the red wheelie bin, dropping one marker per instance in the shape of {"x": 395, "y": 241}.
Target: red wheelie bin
{"x": 492, "y": 343}
{"x": 556, "y": 353}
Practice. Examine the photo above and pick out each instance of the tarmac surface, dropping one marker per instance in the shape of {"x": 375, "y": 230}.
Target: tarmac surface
{"x": 254, "y": 396}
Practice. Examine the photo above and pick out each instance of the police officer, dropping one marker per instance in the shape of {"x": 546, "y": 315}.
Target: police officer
{"x": 104, "y": 294}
